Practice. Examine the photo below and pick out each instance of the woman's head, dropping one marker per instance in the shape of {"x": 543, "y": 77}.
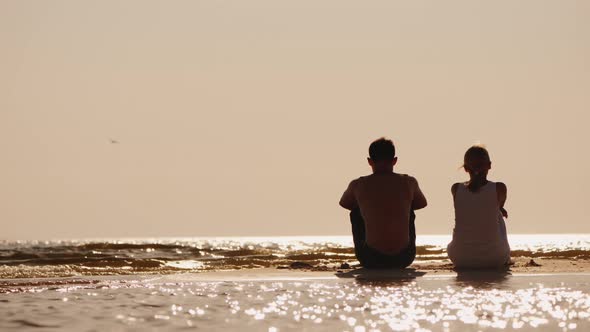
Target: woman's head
{"x": 477, "y": 163}
{"x": 477, "y": 160}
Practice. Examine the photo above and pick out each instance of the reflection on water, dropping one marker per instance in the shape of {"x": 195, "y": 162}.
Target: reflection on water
{"x": 395, "y": 301}
{"x": 382, "y": 277}
{"x": 482, "y": 278}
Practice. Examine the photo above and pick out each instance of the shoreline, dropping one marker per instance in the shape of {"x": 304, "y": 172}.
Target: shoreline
{"x": 419, "y": 269}
{"x": 472, "y": 278}
{"x": 519, "y": 265}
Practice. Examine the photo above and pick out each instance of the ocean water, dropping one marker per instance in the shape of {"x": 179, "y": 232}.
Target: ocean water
{"x": 35, "y": 259}
{"x": 301, "y": 301}
{"x": 213, "y": 284}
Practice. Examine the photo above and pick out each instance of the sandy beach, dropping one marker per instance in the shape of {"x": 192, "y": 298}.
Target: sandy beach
{"x": 520, "y": 265}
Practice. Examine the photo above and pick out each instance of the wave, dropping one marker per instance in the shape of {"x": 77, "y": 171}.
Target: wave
{"x": 108, "y": 257}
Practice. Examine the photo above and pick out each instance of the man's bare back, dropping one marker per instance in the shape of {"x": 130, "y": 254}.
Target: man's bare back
{"x": 385, "y": 200}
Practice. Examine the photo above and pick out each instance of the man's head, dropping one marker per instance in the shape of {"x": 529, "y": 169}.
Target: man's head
{"x": 382, "y": 155}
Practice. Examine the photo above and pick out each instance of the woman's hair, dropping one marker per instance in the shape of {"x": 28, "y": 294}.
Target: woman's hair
{"x": 478, "y": 179}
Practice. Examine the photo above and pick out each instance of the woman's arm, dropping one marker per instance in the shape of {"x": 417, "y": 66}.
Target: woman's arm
{"x": 454, "y": 189}
{"x": 502, "y": 192}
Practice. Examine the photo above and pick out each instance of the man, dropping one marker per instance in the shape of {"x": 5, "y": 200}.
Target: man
{"x": 382, "y": 211}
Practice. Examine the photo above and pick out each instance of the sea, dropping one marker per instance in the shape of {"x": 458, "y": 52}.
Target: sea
{"x": 279, "y": 284}
{"x": 65, "y": 258}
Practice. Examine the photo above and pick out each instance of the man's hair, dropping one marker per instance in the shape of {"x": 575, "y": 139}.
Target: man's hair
{"x": 382, "y": 149}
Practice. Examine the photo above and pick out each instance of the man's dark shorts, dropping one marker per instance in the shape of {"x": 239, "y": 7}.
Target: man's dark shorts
{"x": 371, "y": 258}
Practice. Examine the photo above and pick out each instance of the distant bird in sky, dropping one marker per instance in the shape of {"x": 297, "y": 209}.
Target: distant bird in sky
{"x": 113, "y": 141}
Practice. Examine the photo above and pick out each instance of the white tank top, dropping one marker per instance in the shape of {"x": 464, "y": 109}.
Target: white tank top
{"x": 478, "y": 220}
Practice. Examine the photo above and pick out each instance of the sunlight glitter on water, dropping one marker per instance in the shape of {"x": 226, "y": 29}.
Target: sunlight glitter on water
{"x": 428, "y": 303}
{"x": 517, "y": 241}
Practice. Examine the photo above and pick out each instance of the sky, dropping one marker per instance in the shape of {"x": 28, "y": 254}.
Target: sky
{"x": 249, "y": 118}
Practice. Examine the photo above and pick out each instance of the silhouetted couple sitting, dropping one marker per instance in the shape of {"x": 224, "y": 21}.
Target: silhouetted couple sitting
{"x": 382, "y": 213}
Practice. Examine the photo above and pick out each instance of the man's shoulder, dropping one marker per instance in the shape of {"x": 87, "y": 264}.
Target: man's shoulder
{"x": 403, "y": 175}
{"x": 353, "y": 183}
{"x": 407, "y": 177}
{"x": 360, "y": 179}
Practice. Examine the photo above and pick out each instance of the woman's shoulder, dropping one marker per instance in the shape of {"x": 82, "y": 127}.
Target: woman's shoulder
{"x": 501, "y": 187}
{"x": 455, "y": 187}
{"x": 459, "y": 184}
{"x": 498, "y": 184}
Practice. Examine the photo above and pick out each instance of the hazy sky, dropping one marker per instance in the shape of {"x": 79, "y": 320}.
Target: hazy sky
{"x": 251, "y": 117}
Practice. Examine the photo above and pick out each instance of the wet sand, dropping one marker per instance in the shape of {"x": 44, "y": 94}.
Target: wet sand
{"x": 520, "y": 265}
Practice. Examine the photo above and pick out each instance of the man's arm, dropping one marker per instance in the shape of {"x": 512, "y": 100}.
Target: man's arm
{"x": 348, "y": 201}
{"x": 419, "y": 200}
